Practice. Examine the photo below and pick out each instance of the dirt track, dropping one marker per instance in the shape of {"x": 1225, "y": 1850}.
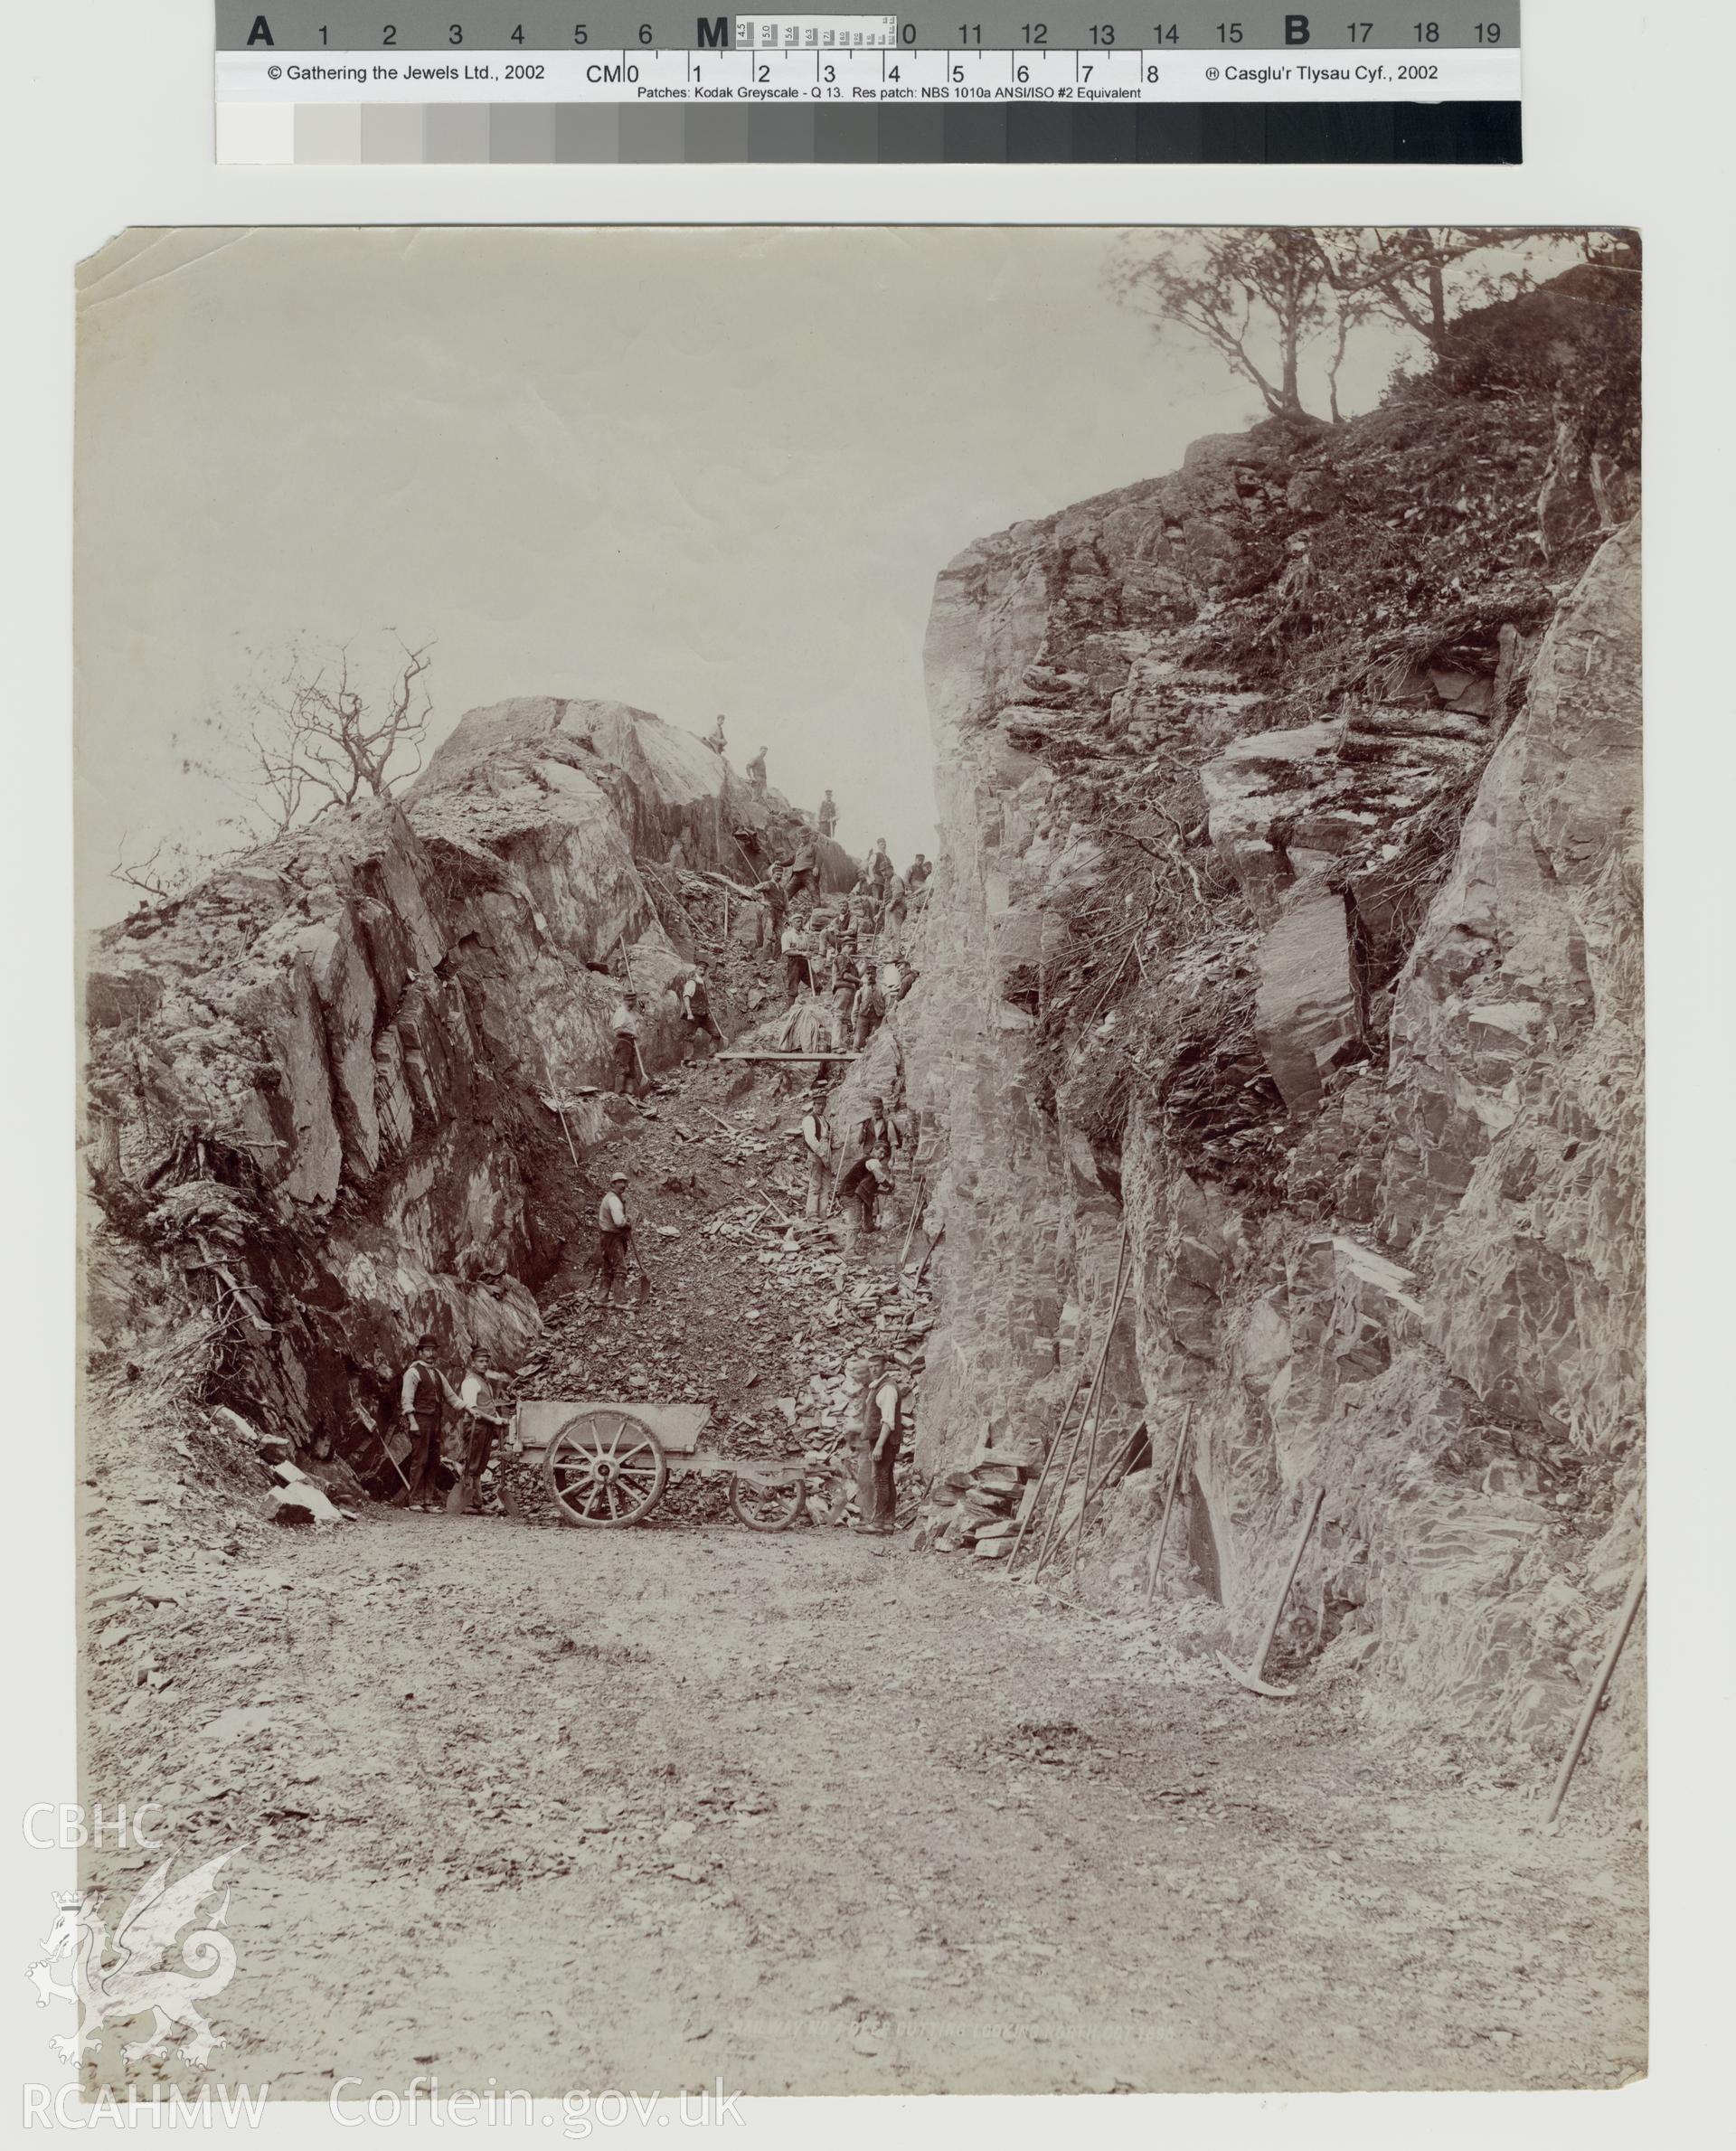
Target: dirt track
{"x": 645, "y": 1809}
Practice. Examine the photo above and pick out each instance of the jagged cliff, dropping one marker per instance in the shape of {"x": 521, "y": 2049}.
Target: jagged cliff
{"x": 320, "y": 1082}
{"x": 1288, "y": 919}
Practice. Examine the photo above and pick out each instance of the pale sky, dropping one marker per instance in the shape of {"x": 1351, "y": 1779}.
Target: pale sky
{"x": 694, "y": 471}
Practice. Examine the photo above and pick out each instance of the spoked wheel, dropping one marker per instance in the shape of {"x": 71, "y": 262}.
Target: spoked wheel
{"x": 767, "y": 1497}
{"x": 605, "y": 1469}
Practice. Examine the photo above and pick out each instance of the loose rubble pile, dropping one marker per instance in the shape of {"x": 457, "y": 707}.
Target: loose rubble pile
{"x": 751, "y": 1308}
{"x": 978, "y": 1509}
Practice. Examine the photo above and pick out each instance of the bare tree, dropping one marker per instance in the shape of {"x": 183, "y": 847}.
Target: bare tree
{"x": 160, "y": 874}
{"x": 1256, "y": 296}
{"x": 317, "y": 741}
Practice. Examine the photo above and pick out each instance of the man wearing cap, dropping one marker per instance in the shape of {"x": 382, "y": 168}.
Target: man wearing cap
{"x": 624, "y": 1023}
{"x": 485, "y": 1420}
{"x": 696, "y": 1006}
{"x": 614, "y": 1237}
{"x": 828, "y": 814}
{"x": 880, "y": 1435}
{"x": 793, "y": 947}
{"x": 423, "y": 1396}
{"x": 816, "y": 1142}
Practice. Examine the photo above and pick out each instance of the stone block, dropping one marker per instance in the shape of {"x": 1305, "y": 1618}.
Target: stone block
{"x": 1305, "y": 1008}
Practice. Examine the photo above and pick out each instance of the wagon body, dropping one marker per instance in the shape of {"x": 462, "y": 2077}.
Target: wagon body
{"x": 606, "y": 1461}
{"x": 538, "y": 1419}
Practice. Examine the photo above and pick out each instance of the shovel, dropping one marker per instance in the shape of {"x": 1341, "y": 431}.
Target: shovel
{"x": 1250, "y": 1679}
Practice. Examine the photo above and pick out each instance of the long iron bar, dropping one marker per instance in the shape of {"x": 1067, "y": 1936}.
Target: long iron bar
{"x": 1258, "y": 1666}
{"x": 1051, "y": 1542}
{"x": 1630, "y": 1606}
{"x": 1049, "y": 1456}
{"x": 1169, "y": 1499}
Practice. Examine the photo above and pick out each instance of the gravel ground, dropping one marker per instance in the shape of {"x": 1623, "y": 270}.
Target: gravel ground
{"x": 558, "y": 1810}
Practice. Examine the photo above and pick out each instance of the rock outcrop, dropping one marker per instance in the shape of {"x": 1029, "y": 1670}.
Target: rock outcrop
{"x": 324, "y": 1083}
{"x": 1287, "y": 921}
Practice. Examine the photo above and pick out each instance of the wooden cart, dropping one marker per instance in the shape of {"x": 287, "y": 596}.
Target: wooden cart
{"x": 606, "y": 1462}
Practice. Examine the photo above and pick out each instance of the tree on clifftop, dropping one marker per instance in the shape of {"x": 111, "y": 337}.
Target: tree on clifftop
{"x": 1255, "y": 297}
{"x": 320, "y": 740}
{"x": 1258, "y": 296}
{"x": 317, "y": 737}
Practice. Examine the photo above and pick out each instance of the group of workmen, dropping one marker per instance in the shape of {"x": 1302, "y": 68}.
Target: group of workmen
{"x": 429, "y": 1404}
{"x": 848, "y": 1167}
{"x": 425, "y": 1399}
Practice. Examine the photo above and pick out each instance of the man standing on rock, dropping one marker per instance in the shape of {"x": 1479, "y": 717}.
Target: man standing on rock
{"x": 624, "y": 1023}
{"x": 477, "y": 1399}
{"x": 756, "y": 771}
{"x": 828, "y": 814}
{"x": 794, "y": 948}
{"x": 613, "y": 1239}
{"x": 866, "y": 1010}
{"x": 714, "y": 738}
{"x": 422, "y": 1398}
{"x": 804, "y": 869}
{"x": 816, "y": 1143}
{"x": 696, "y": 1006}
{"x": 879, "y": 1436}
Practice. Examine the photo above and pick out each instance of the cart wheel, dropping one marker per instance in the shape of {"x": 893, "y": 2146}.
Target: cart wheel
{"x": 605, "y": 1469}
{"x": 770, "y": 1499}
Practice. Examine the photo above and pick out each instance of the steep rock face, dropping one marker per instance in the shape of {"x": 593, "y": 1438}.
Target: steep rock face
{"x": 323, "y": 1081}
{"x": 1295, "y": 930}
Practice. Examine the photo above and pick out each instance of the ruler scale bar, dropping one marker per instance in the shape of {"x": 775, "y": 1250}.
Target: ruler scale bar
{"x": 326, "y": 64}
{"x": 947, "y": 77}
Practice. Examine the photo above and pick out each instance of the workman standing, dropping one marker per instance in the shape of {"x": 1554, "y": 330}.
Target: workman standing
{"x": 828, "y": 814}
{"x": 804, "y": 868}
{"x": 770, "y": 893}
{"x": 817, "y": 1145}
{"x": 879, "y": 1436}
{"x": 714, "y": 738}
{"x": 613, "y": 1239}
{"x": 624, "y": 1023}
{"x": 866, "y": 1010}
{"x": 423, "y": 1396}
{"x": 476, "y": 1398}
{"x": 696, "y": 1006}
{"x": 795, "y": 953}
{"x": 877, "y": 1133}
{"x": 756, "y": 771}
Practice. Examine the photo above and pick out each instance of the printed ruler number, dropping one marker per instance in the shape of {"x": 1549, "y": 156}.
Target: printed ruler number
{"x": 1036, "y": 33}
{"x": 1102, "y": 33}
{"x": 1229, "y": 33}
{"x": 1428, "y": 34}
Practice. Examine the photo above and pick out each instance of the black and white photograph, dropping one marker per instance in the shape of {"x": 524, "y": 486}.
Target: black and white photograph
{"x": 861, "y": 1164}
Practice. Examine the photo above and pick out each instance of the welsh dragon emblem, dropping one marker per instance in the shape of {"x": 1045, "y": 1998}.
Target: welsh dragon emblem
{"x": 139, "y": 1981}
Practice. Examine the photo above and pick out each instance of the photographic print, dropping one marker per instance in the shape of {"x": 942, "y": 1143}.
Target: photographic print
{"x": 861, "y": 1143}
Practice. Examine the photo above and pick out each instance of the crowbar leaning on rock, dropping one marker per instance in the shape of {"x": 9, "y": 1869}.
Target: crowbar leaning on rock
{"x": 1169, "y": 1501}
{"x": 1635, "y": 1589}
{"x": 1251, "y": 1679}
